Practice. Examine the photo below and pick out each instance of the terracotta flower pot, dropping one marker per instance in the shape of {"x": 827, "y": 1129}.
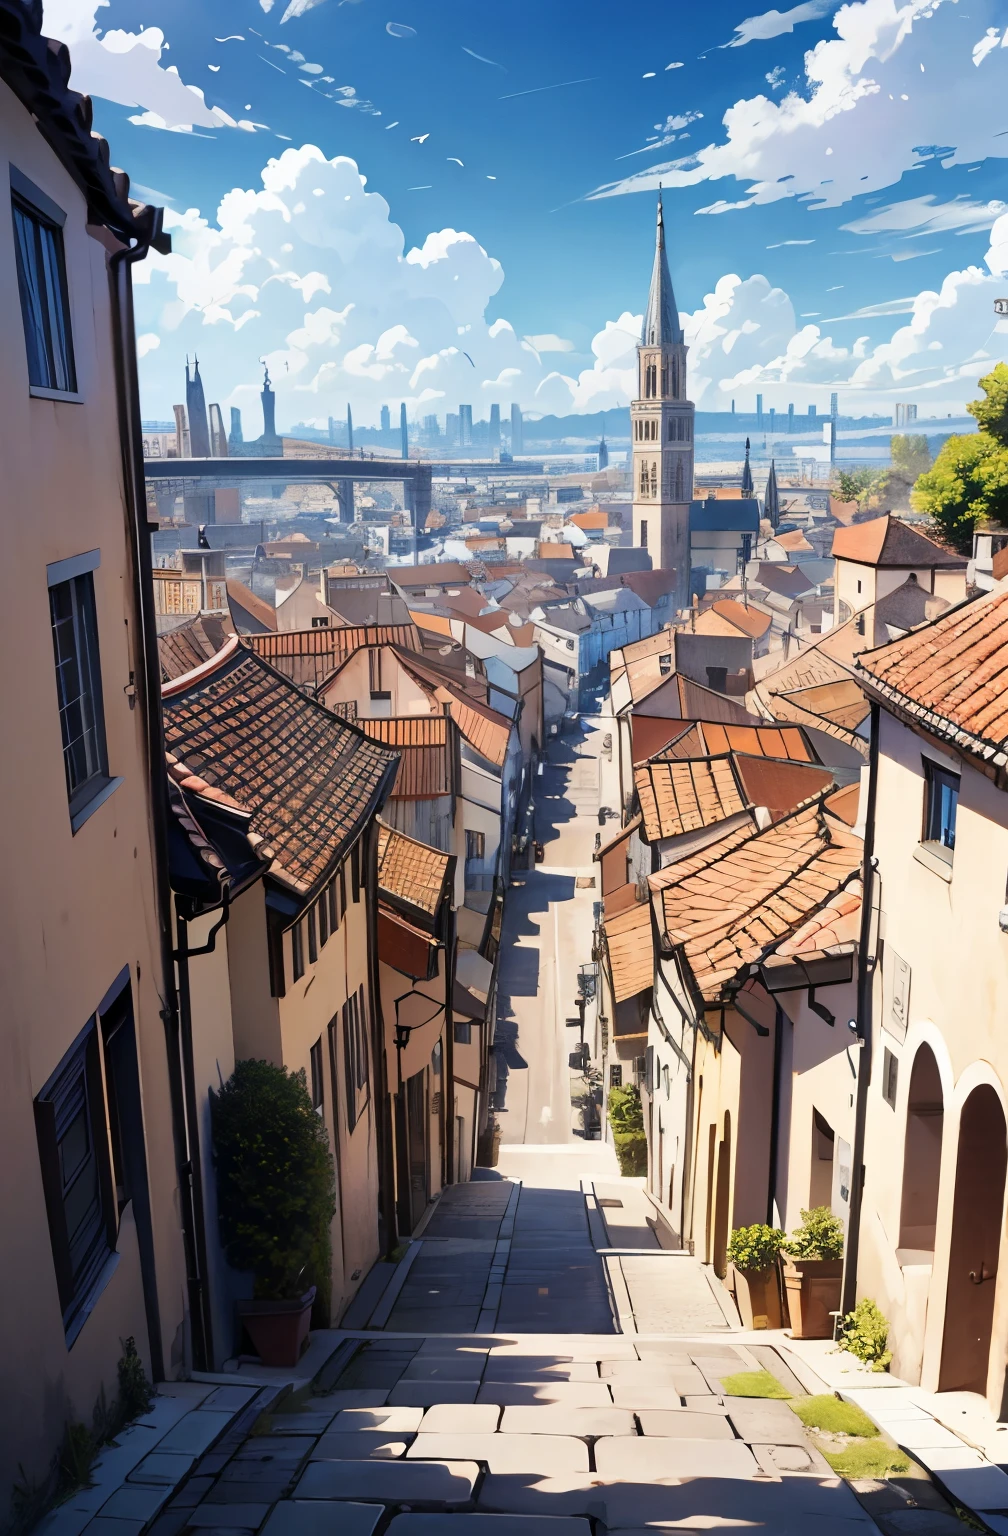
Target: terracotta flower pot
{"x": 813, "y": 1293}
{"x": 758, "y": 1297}
{"x": 278, "y": 1329}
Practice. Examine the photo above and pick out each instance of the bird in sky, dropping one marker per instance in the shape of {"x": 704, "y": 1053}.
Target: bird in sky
{"x": 420, "y": 138}
{"x": 454, "y": 160}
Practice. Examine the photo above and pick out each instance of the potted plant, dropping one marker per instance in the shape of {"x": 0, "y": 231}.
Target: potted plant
{"x": 753, "y": 1252}
{"x": 813, "y": 1273}
{"x": 276, "y": 1196}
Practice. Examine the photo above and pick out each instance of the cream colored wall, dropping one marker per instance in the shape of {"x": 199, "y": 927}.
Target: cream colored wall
{"x": 75, "y": 909}
{"x": 353, "y": 683}
{"x": 256, "y": 1013}
{"x": 950, "y": 585}
{"x": 823, "y": 1061}
{"x": 878, "y": 583}
{"x": 305, "y": 1012}
{"x": 846, "y": 575}
{"x": 304, "y": 604}
{"x": 948, "y": 933}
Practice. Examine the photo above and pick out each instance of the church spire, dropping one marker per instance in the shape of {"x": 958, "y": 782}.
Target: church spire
{"x": 771, "y": 500}
{"x": 747, "y": 480}
{"x": 661, "y": 318}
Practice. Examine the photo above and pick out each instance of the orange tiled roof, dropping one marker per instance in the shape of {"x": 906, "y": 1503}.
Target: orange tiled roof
{"x": 951, "y": 676}
{"x": 845, "y": 803}
{"x": 309, "y": 657}
{"x": 890, "y": 542}
{"x": 189, "y": 646}
{"x": 425, "y": 752}
{"x": 440, "y": 573}
{"x": 257, "y": 607}
{"x": 686, "y": 794}
{"x": 834, "y": 924}
{"x": 750, "y": 620}
{"x": 238, "y": 733}
{"x": 727, "y": 904}
{"x": 410, "y": 871}
{"x": 630, "y": 949}
{"x": 779, "y": 785}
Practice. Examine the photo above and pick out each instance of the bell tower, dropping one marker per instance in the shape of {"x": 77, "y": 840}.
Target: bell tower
{"x": 661, "y": 429}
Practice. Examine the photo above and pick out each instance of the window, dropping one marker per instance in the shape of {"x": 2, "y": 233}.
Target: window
{"x": 462, "y": 1032}
{"x": 76, "y": 1172}
{"x": 890, "y": 1075}
{"x": 322, "y": 623}
{"x": 297, "y": 952}
{"x": 475, "y": 845}
{"x": 42, "y": 285}
{"x": 615, "y": 1076}
{"x": 643, "y": 534}
{"x": 355, "y": 1056}
{"x": 643, "y": 477}
{"x": 323, "y": 918}
{"x": 317, "y": 1083}
{"x": 654, "y": 479}
{"x": 335, "y": 905}
{"x": 941, "y": 801}
{"x": 355, "y": 879}
{"x": 78, "y": 679}
{"x": 312, "y": 936}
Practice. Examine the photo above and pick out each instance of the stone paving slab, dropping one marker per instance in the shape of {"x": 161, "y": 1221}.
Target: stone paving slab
{"x": 562, "y": 1419}
{"x": 197, "y": 1431}
{"x": 280, "y": 1448}
{"x": 313, "y": 1421}
{"x": 682, "y": 1424}
{"x": 231, "y": 1399}
{"x": 469, "y": 1524}
{"x": 537, "y": 1455}
{"x": 647, "y": 1459}
{"x": 355, "y": 1397}
{"x": 390, "y": 1482}
{"x": 969, "y": 1478}
{"x": 424, "y": 1394}
{"x": 306, "y": 1517}
{"x": 460, "y": 1418}
{"x": 359, "y": 1444}
{"x": 789, "y": 1460}
{"x": 162, "y": 1469}
{"x": 579, "y": 1394}
{"x": 134, "y": 1502}
{"x": 539, "y": 1368}
{"x": 626, "y": 1395}
{"x": 765, "y": 1422}
{"x": 391, "y": 1421}
{"x": 241, "y": 1517}
{"x": 460, "y": 1367}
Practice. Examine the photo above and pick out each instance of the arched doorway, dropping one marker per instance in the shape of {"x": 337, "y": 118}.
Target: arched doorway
{"x": 976, "y": 1240}
{"x": 921, "y": 1158}
{"x": 722, "y": 1201}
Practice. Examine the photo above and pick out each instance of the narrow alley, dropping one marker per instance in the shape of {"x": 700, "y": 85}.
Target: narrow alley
{"x": 537, "y": 1361}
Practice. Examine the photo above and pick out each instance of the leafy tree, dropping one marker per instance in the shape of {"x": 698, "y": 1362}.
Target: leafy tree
{"x": 910, "y": 454}
{"x": 856, "y": 484}
{"x": 967, "y": 484}
{"x": 992, "y": 413}
{"x": 276, "y": 1188}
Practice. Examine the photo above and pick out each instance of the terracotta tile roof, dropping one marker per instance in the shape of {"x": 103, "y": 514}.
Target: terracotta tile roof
{"x": 784, "y": 741}
{"x": 951, "y": 676}
{"x": 631, "y": 950}
{"x": 845, "y": 803}
{"x": 838, "y": 922}
{"x": 685, "y": 795}
{"x": 426, "y": 750}
{"x": 794, "y": 542}
{"x": 657, "y": 736}
{"x": 182, "y": 649}
{"x": 242, "y": 597}
{"x": 309, "y": 657}
{"x": 486, "y": 730}
{"x": 778, "y": 785}
{"x": 750, "y": 620}
{"x": 712, "y": 622}
{"x": 888, "y": 541}
{"x": 240, "y": 734}
{"x": 841, "y": 703}
{"x": 726, "y": 905}
{"x": 411, "y": 872}
{"x": 829, "y": 661}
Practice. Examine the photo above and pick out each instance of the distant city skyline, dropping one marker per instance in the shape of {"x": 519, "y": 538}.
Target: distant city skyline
{"x": 441, "y": 217}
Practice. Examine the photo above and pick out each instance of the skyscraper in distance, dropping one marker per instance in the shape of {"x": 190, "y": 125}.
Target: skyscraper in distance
{"x": 790, "y": 418}
{"x": 349, "y": 428}
{"x": 403, "y": 432}
{"x": 199, "y": 430}
{"x": 495, "y": 429}
{"x": 517, "y": 430}
{"x": 465, "y": 426}
{"x": 386, "y": 419}
{"x": 759, "y": 413}
{"x": 747, "y": 480}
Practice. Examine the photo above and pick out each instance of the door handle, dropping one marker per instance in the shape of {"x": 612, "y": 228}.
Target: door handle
{"x": 985, "y": 1274}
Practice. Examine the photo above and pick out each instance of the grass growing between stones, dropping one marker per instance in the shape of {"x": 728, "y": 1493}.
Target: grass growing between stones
{"x": 867, "y": 1458}
{"x": 754, "y": 1384}
{"x": 837, "y": 1418}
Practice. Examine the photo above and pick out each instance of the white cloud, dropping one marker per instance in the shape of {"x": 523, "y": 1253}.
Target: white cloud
{"x": 775, "y": 77}
{"x": 867, "y": 112}
{"x": 757, "y": 29}
{"x": 926, "y": 216}
{"x": 126, "y": 67}
{"x": 149, "y": 342}
{"x": 550, "y": 342}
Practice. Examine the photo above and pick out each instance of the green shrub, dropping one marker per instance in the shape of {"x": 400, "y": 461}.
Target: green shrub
{"x": 136, "y": 1395}
{"x": 865, "y": 1333}
{"x": 276, "y": 1189}
{"x": 631, "y": 1152}
{"x": 625, "y": 1112}
{"x": 755, "y": 1248}
{"x": 820, "y": 1236}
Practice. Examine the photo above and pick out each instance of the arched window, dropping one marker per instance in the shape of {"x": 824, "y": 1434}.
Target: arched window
{"x": 654, "y": 478}
{"x": 664, "y": 379}
{"x": 675, "y": 378}
{"x": 643, "y": 477}
{"x": 922, "y": 1154}
{"x": 678, "y": 480}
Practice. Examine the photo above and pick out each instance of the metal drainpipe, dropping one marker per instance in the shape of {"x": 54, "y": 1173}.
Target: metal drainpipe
{"x": 147, "y": 681}
{"x": 383, "y": 1117}
{"x": 448, "y": 1103}
{"x": 866, "y": 978}
{"x": 775, "y": 1110}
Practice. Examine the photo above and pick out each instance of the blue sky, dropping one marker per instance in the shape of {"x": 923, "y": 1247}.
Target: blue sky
{"x": 833, "y": 177}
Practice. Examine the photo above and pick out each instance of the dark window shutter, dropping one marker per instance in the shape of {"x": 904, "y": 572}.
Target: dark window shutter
{"x": 52, "y": 1184}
